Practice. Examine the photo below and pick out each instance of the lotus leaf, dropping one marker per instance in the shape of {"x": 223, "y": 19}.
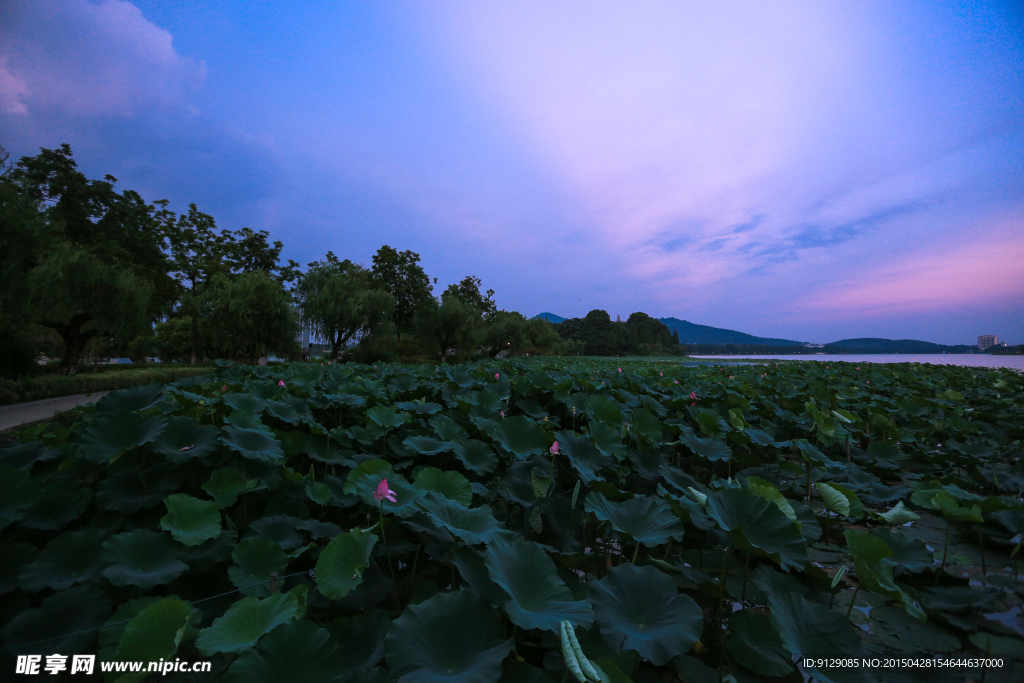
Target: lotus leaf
{"x": 757, "y": 524}
{"x": 754, "y": 643}
{"x": 537, "y": 597}
{"x": 455, "y": 637}
{"x": 154, "y": 633}
{"x": 17, "y": 493}
{"x": 341, "y": 564}
{"x": 61, "y": 501}
{"x": 108, "y": 437}
{"x": 256, "y": 560}
{"x": 639, "y": 608}
{"x": 809, "y": 629}
{"x": 521, "y": 436}
{"x": 70, "y": 558}
{"x": 191, "y": 521}
{"x": 66, "y": 621}
{"x": 253, "y": 443}
{"x": 711, "y": 448}
{"x": 133, "y": 400}
{"x": 425, "y": 445}
{"x": 451, "y": 485}
{"x": 645, "y": 519}
{"x": 248, "y": 619}
{"x": 142, "y": 558}
{"x": 472, "y": 525}
{"x": 184, "y": 439}
{"x": 298, "y": 652}
{"x": 386, "y": 417}
{"x": 477, "y": 456}
{"x": 874, "y": 569}
{"x": 226, "y": 483}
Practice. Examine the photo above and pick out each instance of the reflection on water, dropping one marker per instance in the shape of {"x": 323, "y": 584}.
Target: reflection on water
{"x": 981, "y": 360}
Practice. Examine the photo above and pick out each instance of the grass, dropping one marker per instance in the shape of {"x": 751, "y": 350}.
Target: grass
{"x": 54, "y": 385}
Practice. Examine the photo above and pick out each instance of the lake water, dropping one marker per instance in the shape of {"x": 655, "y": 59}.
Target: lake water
{"x": 981, "y": 360}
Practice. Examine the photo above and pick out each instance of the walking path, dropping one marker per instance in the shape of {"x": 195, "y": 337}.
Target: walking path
{"x": 20, "y": 415}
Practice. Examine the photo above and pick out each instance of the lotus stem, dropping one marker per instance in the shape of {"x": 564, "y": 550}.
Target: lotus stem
{"x": 636, "y": 553}
{"x": 387, "y": 546}
{"x": 852, "y": 600}
{"x": 981, "y": 547}
{"x": 945, "y": 553}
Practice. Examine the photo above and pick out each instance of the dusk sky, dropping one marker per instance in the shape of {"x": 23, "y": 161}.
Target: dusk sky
{"x": 806, "y": 170}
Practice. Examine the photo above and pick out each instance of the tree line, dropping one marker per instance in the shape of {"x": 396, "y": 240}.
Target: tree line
{"x": 99, "y": 268}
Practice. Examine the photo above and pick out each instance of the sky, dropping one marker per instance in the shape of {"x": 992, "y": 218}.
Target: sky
{"x": 803, "y": 170}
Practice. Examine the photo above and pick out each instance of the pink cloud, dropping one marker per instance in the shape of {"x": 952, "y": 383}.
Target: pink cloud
{"x": 963, "y": 275}
{"x": 85, "y": 58}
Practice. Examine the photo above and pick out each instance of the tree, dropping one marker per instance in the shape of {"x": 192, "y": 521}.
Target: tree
{"x": 103, "y": 271}
{"x": 506, "y": 331}
{"x": 400, "y": 275}
{"x": 340, "y": 303}
{"x": 251, "y": 315}
{"x": 450, "y": 324}
{"x": 468, "y": 292}
{"x": 199, "y": 254}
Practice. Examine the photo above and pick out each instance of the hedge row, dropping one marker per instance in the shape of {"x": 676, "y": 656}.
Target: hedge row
{"x": 50, "y": 386}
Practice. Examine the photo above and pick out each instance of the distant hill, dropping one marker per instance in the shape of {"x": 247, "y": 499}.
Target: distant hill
{"x": 691, "y": 333}
{"x": 877, "y": 345}
{"x": 550, "y": 316}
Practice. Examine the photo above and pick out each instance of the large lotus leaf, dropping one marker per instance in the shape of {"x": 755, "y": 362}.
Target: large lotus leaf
{"x": 874, "y": 568}
{"x": 154, "y": 633}
{"x": 61, "y": 502}
{"x": 17, "y": 493}
{"x": 522, "y": 436}
{"x": 253, "y": 443}
{"x": 378, "y": 469}
{"x": 711, "y": 448}
{"x": 909, "y": 554}
{"x": 603, "y": 409}
{"x": 903, "y": 633}
{"x": 191, "y": 521}
{"x": 250, "y": 618}
{"x": 226, "y": 483}
{"x": 290, "y": 409}
{"x": 248, "y": 402}
{"x": 66, "y": 621}
{"x": 142, "y": 558}
{"x": 387, "y": 417}
{"x": 451, "y": 485}
{"x": 324, "y": 448}
{"x": 361, "y": 638}
{"x": 318, "y": 529}
{"x": 448, "y": 429}
{"x": 340, "y": 566}
{"x": 297, "y": 652}
{"x": 244, "y": 419}
{"x": 754, "y": 644}
{"x": 128, "y": 490}
{"x": 110, "y": 634}
{"x": 960, "y": 599}
{"x": 645, "y": 519}
{"x": 477, "y": 456}
{"x": 834, "y": 500}
{"x": 473, "y": 571}
{"x": 607, "y": 439}
{"x": 639, "y": 608}
{"x": 16, "y": 555}
{"x": 646, "y": 425}
{"x": 184, "y": 439}
{"x": 425, "y": 445}
{"x": 809, "y": 629}
{"x": 582, "y": 455}
{"x": 215, "y": 551}
{"x": 24, "y": 455}
{"x": 69, "y": 558}
{"x": 454, "y": 637}
{"x": 757, "y": 524}
{"x": 769, "y": 492}
{"x": 108, "y": 437}
{"x": 537, "y": 596}
{"x": 318, "y": 492}
{"x": 255, "y": 560}
{"x": 133, "y": 400}
{"x": 897, "y": 516}
{"x": 281, "y": 529}
{"x": 472, "y": 525}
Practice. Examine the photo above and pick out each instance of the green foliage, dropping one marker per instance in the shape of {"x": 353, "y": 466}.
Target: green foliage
{"x": 691, "y": 519}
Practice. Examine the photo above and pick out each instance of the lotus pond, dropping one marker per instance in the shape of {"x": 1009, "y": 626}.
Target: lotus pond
{"x": 541, "y": 520}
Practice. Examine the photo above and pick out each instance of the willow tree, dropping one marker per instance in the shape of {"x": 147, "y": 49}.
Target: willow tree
{"x": 341, "y": 303}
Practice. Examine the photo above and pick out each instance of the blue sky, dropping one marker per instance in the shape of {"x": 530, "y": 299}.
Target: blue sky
{"x": 806, "y": 170}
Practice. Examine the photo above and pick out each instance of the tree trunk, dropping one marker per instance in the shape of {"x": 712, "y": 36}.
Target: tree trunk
{"x": 74, "y": 341}
{"x": 195, "y": 340}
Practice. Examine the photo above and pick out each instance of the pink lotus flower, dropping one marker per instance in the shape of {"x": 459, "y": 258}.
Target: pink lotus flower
{"x": 693, "y": 394}
{"x": 224, "y": 388}
{"x": 620, "y": 369}
{"x": 675, "y": 381}
{"x": 383, "y": 492}
{"x": 554, "y": 448}
{"x": 280, "y": 383}
{"x": 496, "y": 375}
{"x": 662, "y": 374}
{"x": 503, "y": 413}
